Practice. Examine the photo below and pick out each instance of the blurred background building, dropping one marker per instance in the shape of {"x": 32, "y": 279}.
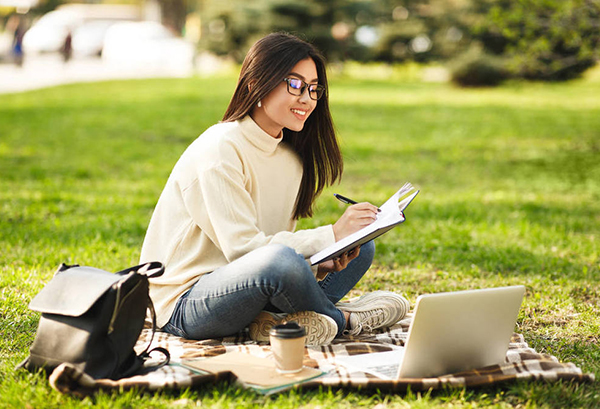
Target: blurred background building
{"x": 482, "y": 42}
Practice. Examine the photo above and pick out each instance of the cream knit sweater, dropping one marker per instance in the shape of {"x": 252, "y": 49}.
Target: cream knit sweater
{"x": 233, "y": 190}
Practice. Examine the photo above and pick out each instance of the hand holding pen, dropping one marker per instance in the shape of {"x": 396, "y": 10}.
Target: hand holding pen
{"x": 357, "y": 216}
{"x": 346, "y": 200}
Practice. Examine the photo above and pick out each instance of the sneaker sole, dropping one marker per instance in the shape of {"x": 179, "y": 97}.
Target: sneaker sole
{"x": 259, "y": 328}
{"x": 320, "y": 329}
{"x": 397, "y": 302}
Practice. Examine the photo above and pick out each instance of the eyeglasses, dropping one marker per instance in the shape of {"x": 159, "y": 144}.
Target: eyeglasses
{"x": 296, "y": 87}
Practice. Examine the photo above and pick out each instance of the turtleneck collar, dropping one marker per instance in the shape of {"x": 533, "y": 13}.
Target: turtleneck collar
{"x": 257, "y": 136}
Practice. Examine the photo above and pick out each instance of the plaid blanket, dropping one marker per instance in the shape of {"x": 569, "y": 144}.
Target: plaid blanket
{"x": 522, "y": 363}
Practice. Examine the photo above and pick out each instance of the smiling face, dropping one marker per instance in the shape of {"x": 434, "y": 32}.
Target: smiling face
{"x": 279, "y": 109}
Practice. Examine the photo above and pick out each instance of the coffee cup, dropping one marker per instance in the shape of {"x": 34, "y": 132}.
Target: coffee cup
{"x": 287, "y": 345}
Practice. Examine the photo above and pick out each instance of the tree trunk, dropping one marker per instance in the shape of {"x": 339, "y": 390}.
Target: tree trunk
{"x": 173, "y": 14}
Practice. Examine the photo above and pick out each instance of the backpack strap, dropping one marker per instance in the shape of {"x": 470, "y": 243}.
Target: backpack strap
{"x": 148, "y": 351}
{"x": 145, "y": 268}
{"x": 151, "y": 269}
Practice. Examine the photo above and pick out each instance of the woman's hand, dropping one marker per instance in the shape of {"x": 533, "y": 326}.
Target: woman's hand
{"x": 354, "y": 218}
{"x": 338, "y": 263}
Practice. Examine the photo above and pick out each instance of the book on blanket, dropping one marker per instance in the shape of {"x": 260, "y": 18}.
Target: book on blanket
{"x": 391, "y": 215}
{"x": 258, "y": 373}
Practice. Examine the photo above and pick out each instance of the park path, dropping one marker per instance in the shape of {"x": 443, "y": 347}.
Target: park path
{"x": 49, "y": 70}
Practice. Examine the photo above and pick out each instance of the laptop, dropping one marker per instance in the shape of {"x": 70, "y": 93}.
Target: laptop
{"x": 450, "y": 332}
{"x": 458, "y": 331}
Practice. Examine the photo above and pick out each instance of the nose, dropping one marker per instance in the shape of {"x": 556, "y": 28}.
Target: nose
{"x": 304, "y": 97}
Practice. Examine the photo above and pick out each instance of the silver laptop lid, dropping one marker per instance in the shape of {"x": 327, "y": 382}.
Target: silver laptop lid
{"x": 461, "y": 330}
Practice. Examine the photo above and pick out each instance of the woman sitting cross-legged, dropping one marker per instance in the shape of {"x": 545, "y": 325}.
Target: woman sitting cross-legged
{"x": 224, "y": 225}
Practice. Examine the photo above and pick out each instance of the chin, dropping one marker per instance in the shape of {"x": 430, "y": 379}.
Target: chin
{"x": 296, "y": 128}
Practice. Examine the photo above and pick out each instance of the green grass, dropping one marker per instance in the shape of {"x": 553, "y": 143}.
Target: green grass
{"x": 510, "y": 194}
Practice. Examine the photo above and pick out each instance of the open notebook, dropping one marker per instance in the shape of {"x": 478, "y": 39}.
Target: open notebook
{"x": 391, "y": 215}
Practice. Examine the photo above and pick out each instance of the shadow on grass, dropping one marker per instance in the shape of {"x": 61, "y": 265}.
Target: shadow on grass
{"x": 458, "y": 236}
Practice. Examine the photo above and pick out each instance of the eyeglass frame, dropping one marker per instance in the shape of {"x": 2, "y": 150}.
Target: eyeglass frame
{"x": 305, "y": 85}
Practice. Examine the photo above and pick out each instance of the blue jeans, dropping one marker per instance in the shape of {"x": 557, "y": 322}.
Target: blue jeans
{"x": 273, "y": 278}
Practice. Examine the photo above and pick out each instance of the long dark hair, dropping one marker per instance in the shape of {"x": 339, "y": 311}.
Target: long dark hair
{"x": 267, "y": 63}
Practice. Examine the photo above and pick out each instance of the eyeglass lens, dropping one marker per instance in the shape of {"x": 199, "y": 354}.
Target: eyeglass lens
{"x": 296, "y": 87}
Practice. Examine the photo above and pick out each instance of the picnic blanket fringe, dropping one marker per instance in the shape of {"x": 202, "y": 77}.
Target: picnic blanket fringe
{"x": 522, "y": 364}
{"x": 69, "y": 380}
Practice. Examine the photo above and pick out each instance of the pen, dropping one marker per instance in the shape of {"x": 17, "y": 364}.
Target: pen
{"x": 344, "y": 199}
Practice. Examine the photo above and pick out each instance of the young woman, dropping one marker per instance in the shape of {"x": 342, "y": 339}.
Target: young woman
{"x": 224, "y": 224}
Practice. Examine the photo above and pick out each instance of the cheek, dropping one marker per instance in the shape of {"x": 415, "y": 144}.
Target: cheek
{"x": 275, "y": 102}
{"x": 278, "y": 96}
{"x": 277, "y": 110}
{"x": 279, "y": 106}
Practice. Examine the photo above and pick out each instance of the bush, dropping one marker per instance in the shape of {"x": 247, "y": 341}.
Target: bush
{"x": 551, "y": 40}
{"x": 478, "y": 69}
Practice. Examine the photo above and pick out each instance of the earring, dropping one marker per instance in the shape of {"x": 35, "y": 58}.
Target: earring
{"x": 259, "y": 104}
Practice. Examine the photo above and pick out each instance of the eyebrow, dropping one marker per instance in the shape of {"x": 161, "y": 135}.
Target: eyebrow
{"x": 302, "y": 77}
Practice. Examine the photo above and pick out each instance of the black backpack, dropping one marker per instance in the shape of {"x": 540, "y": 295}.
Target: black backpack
{"x": 92, "y": 319}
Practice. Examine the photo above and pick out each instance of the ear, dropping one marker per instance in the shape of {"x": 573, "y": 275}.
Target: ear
{"x": 251, "y": 85}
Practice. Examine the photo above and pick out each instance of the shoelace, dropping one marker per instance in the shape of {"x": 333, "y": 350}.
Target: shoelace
{"x": 367, "y": 320}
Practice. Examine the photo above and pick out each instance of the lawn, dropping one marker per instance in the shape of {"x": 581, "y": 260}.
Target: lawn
{"x": 510, "y": 194}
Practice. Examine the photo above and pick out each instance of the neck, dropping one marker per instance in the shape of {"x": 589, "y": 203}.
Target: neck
{"x": 265, "y": 124}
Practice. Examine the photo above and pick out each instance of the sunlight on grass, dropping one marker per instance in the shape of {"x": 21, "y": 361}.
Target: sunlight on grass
{"x": 510, "y": 181}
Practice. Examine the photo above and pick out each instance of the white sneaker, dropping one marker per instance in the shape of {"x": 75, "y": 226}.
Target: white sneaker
{"x": 320, "y": 329}
{"x": 261, "y": 325}
{"x": 374, "y": 310}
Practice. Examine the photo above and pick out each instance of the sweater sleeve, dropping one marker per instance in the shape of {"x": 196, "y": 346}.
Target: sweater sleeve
{"x": 222, "y": 207}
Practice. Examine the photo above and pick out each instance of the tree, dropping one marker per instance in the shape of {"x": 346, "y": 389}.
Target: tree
{"x": 330, "y": 25}
{"x": 174, "y": 14}
{"x": 229, "y": 28}
{"x": 543, "y": 39}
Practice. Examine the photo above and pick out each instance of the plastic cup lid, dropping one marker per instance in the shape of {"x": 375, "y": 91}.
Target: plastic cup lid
{"x": 288, "y": 330}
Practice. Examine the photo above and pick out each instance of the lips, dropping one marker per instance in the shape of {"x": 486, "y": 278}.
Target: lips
{"x": 300, "y": 113}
